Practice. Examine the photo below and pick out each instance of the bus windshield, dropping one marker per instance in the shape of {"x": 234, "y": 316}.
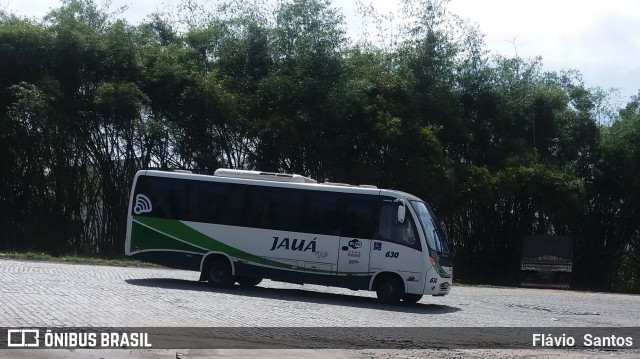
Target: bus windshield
{"x": 432, "y": 231}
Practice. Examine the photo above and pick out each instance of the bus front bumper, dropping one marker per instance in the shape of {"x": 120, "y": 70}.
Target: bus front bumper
{"x": 437, "y": 285}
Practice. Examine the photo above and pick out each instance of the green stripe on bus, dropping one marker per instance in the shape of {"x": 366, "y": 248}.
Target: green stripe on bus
{"x": 177, "y": 229}
{"x": 147, "y": 238}
{"x": 194, "y": 239}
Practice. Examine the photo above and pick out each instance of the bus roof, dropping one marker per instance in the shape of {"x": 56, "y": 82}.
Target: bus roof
{"x": 265, "y": 176}
{"x": 270, "y": 182}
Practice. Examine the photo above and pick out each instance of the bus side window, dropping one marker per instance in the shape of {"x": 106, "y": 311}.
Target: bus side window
{"x": 360, "y": 218}
{"x": 168, "y": 197}
{"x": 406, "y": 233}
{"x": 234, "y": 209}
{"x": 388, "y": 213}
{"x": 273, "y": 208}
{"x": 208, "y": 201}
{"x": 320, "y": 213}
{"x": 257, "y": 213}
{"x": 390, "y": 230}
{"x": 288, "y": 209}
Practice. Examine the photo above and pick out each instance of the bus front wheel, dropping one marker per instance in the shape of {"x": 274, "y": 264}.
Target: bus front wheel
{"x": 218, "y": 273}
{"x": 389, "y": 289}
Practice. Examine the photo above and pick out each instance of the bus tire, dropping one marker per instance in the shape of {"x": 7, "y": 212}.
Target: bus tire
{"x": 411, "y": 298}
{"x": 218, "y": 273}
{"x": 249, "y": 281}
{"x": 389, "y": 289}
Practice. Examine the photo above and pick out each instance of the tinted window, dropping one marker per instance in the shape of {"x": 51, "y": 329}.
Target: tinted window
{"x": 360, "y": 217}
{"x": 234, "y": 206}
{"x": 390, "y": 230}
{"x": 168, "y": 196}
{"x": 274, "y": 208}
{"x": 209, "y": 201}
{"x": 321, "y": 213}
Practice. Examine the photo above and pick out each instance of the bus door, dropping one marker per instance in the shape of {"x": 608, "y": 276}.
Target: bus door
{"x": 358, "y": 228}
{"x": 354, "y": 255}
{"x": 397, "y": 248}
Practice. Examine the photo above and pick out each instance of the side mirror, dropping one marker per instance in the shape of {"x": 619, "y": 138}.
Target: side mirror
{"x": 402, "y": 210}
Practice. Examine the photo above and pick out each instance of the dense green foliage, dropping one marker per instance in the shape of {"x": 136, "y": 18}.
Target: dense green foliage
{"x": 501, "y": 148}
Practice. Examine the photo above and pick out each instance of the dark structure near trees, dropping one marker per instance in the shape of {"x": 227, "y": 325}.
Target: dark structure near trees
{"x": 547, "y": 261}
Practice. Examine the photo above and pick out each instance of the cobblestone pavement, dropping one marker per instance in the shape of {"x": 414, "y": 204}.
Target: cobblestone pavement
{"x": 45, "y": 294}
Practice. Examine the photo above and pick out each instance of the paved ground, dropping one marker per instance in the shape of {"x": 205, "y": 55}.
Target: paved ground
{"x": 66, "y": 295}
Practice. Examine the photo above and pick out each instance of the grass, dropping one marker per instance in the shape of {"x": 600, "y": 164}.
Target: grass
{"x": 74, "y": 258}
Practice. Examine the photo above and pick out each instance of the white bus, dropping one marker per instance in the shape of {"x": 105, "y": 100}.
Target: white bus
{"x": 243, "y": 226}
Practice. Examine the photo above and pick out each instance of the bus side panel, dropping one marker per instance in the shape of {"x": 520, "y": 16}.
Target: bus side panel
{"x": 360, "y": 282}
{"x": 407, "y": 261}
{"x": 156, "y": 240}
{"x": 272, "y": 248}
{"x": 268, "y": 248}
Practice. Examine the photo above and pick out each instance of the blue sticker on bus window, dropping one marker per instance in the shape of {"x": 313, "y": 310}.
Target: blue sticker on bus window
{"x": 377, "y": 246}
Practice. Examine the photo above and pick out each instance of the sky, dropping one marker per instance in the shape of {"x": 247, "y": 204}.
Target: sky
{"x": 600, "y": 39}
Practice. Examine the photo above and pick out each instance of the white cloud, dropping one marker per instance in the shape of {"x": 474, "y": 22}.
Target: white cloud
{"x": 31, "y": 8}
{"x": 597, "y": 38}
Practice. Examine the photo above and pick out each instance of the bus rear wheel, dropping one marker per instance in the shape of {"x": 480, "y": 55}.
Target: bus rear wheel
{"x": 411, "y": 298}
{"x": 218, "y": 273}
{"x": 389, "y": 289}
{"x": 248, "y": 281}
